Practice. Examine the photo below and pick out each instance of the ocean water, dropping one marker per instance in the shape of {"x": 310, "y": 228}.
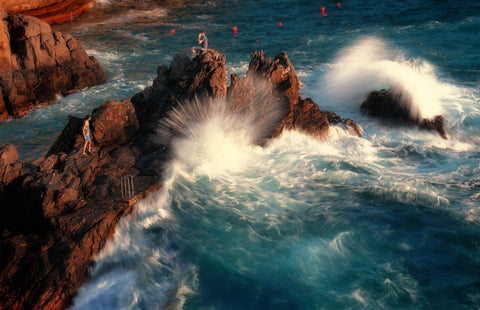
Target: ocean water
{"x": 390, "y": 220}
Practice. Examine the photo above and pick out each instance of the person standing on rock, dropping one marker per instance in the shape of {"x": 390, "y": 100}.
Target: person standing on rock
{"x": 202, "y": 41}
{"x": 87, "y": 145}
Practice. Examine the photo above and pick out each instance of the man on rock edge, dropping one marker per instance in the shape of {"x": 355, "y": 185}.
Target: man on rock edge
{"x": 202, "y": 41}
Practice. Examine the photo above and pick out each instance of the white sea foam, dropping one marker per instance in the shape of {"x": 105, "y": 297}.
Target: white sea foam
{"x": 215, "y": 137}
{"x": 358, "y": 296}
{"x": 128, "y": 269}
{"x": 104, "y": 56}
{"x": 259, "y": 193}
{"x": 370, "y": 64}
{"x": 341, "y": 243}
{"x": 140, "y": 15}
{"x": 128, "y": 16}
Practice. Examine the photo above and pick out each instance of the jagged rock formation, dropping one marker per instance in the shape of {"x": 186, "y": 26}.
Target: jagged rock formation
{"x": 394, "y": 105}
{"x": 50, "y": 11}
{"x": 303, "y": 114}
{"x": 58, "y": 212}
{"x": 36, "y": 65}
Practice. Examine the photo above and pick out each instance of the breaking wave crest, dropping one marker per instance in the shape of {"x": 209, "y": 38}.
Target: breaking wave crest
{"x": 370, "y": 64}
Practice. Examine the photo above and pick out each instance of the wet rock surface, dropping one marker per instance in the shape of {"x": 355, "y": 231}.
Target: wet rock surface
{"x": 58, "y": 212}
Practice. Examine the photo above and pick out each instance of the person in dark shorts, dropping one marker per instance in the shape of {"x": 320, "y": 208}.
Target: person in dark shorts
{"x": 203, "y": 42}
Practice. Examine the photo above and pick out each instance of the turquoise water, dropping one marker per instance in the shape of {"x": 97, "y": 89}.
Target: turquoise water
{"x": 389, "y": 220}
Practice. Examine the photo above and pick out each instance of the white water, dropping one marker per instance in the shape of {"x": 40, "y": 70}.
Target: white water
{"x": 368, "y": 219}
{"x": 371, "y": 64}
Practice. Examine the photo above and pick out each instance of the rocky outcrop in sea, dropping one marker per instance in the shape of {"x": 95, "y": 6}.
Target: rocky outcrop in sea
{"x": 58, "y": 212}
{"x": 395, "y": 105}
{"x": 37, "y": 64}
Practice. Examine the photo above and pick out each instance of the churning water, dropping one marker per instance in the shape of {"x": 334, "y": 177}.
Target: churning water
{"x": 389, "y": 220}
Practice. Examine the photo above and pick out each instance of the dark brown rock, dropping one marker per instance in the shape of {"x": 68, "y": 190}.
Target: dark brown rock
{"x": 70, "y": 137}
{"x": 57, "y": 213}
{"x": 303, "y": 114}
{"x": 37, "y": 65}
{"x": 114, "y": 122}
{"x": 65, "y": 209}
{"x": 279, "y": 72}
{"x": 394, "y": 105}
{"x": 207, "y": 76}
{"x": 434, "y": 124}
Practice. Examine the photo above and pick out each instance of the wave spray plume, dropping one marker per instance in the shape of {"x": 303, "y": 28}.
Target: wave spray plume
{"x": 216, "y": 130}
{"x": 371, "y": 65}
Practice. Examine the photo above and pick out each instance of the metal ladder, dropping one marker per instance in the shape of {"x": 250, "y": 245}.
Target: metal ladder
{"x": 128, "y": 191}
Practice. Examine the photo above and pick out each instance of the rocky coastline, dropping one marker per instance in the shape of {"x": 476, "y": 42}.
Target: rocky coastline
{"x": 58, "y": 212}
{"x": 37, "y": 64}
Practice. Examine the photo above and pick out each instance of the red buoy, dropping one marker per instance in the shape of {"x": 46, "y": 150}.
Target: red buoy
{"x": 279, "y": 24}
{"x": 172, "y": 31}
{"x": 234, "y": 29}
{"x": 256, "y": 41}
{"x": 322, "y": 11}
{"x": 339, "y": 5}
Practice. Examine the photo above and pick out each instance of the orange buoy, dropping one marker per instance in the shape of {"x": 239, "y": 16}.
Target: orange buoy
{"x": 279, "y": 24}
{"x": 172, "y": 31}
{"x": 234, "y": 29}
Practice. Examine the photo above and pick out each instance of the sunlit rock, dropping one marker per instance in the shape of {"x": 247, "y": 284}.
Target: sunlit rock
{"x": 37, "y": 64}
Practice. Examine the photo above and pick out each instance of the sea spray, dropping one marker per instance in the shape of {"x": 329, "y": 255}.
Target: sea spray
{"x": 253, "y": 120}
{"x": 208, "y": 138}
{"x": 292, "y": 228}
{"x": 267, "y": 228}
{"x": 371, "y": 64}
{"x": 397, "y": 250}
{"x": 140, "y": 268}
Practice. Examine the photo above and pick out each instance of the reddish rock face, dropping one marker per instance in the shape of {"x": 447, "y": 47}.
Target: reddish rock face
{"x": 302, "y": 114}
{"x": 50, "y": 11}
{"x": 10, "y": 164}
{"x": 37, "y": 64}
{"x": 58, "y": 212}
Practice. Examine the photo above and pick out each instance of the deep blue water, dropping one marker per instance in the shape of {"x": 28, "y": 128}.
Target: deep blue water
{"x": 390, "y": 220}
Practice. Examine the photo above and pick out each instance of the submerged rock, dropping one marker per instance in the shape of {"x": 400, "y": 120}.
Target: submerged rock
{"x": 37, "y": 64}
{"x": 394, "y": 105}
{"x": 58, "y": 212}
